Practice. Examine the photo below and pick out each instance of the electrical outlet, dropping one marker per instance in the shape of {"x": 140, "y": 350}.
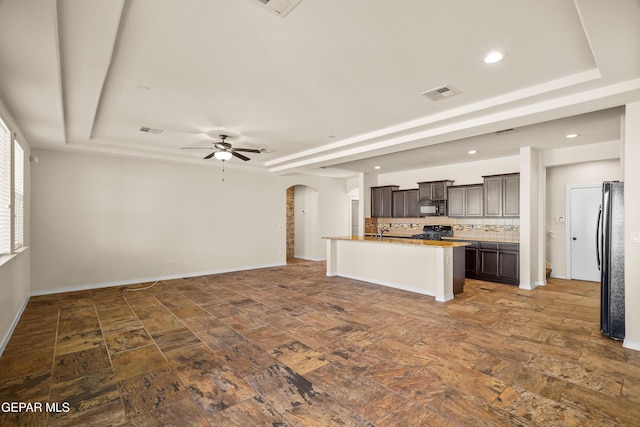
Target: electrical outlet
{"x": 559, "y": 219}
{"x": 186, "y": 261}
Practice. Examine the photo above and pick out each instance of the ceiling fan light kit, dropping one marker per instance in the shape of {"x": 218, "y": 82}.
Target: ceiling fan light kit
{"x": 224, "y": 150}
{"x": 222, "y": 155}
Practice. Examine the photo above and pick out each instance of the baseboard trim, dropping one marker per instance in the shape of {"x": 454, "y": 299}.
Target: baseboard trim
{"x": 558, "y": 276}
{"x": 148, "y": 279}
{"x": 387, "y": 284}
{"x": 531, "y": 286}
{"x": 7, "y": 337}
{"x": 631, "y": 345}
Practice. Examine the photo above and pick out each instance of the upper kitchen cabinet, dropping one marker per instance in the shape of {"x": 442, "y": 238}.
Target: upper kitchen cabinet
{"x": 382, "y": 201}
{"x": 465, "y": 201}
{"x": 405, "y": 203}
{"x": 433, "y": 190}
{"x": 502, "y": 195}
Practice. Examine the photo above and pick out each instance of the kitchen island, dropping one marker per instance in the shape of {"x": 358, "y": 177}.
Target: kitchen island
{"x": 428, "y": 267}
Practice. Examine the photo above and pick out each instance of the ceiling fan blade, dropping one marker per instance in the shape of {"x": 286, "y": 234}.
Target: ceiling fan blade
{"x": 240, "y": 156}
{"x": 209, "y": 155}
{"x": 247, "y": 150}
{"x": 222, "y": 145}
{"x": 196, "y": 148}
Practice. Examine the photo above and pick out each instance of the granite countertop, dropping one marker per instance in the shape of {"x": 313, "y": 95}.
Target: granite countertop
{"x": 401, "y": 241}
{"x": 459, "y": 239}
{"x": 482, "y": 239}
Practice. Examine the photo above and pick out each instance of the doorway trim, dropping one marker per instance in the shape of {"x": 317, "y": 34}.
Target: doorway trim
{"x": 567, "y": 225}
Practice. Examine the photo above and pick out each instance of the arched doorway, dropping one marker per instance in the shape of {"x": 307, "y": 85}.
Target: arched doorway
{"x": 302, "y": 223}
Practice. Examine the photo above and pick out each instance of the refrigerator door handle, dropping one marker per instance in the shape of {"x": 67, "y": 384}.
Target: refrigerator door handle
{"x": 598, "y": 236}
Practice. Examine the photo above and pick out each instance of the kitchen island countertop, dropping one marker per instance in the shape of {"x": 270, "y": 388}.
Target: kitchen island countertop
{"x": 402, "y": 241}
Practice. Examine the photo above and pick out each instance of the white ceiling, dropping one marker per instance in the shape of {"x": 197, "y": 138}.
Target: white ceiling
{"x": 334, "y": 84}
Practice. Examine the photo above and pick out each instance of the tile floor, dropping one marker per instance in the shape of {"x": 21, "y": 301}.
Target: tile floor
{"x": 288, "y": 346}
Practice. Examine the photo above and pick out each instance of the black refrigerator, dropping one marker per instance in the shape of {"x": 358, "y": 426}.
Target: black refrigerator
{"x": 610, "y": 250}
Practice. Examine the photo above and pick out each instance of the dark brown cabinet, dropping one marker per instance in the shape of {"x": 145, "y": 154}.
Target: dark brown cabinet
{"x": 465, "y": 201}
{"x": 502, "y": 195}
{"x": 433, "y": 190}
{"x": 494, "y": 262}
{"x": 405, "y": 204}
{"x": 382, "y": 201}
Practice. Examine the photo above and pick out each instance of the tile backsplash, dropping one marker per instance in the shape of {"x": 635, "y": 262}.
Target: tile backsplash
{"x": 469, "y": 228}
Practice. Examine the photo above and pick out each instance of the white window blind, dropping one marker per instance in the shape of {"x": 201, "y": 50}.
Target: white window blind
{"x": 18, "y": 196}
{"x": 5, "y": 189}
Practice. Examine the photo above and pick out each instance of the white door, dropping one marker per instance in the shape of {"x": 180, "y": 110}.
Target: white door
{"x": 584, "y": 204}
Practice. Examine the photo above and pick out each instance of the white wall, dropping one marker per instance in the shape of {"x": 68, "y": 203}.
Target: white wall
{"x": 14, "y": 269}
{"x": 460, "y": 173}
{"x": 558, "y": 178}
{"x": 631, "y": 156}
{"x": 306, "y": 223}
{"x": 101, "y": 220}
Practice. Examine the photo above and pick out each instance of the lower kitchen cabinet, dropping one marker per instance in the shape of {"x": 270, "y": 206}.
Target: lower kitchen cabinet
{"x": 494, "y": 262}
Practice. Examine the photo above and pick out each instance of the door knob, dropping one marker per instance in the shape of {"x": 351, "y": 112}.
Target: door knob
{"x": 575, "y": 238}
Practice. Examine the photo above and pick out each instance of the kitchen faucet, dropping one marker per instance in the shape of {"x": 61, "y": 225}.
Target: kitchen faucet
{"x": 381, "y": 234}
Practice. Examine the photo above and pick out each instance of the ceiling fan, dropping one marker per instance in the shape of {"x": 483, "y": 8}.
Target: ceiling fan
{"x": 223, "y": 150}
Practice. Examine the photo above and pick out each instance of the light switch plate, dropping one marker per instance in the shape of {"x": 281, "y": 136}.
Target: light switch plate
{"x": 559, "y": 219}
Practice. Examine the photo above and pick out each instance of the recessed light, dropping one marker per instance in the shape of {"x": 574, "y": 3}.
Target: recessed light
{"x": 572, "y": 135}
{"x": 376, "y": 167}
{"x": 472, "y": 151}
{"x": 493, "y": 57}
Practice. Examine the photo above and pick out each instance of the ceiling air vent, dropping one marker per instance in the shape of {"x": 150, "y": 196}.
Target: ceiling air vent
{"x": 279, "y": 7}
{"x": 150, "y": 130}
{"x": 440, "y": 93}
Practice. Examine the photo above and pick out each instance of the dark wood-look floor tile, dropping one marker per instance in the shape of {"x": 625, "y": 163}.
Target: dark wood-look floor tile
{"x": 221, "y": 337}
{"x": 202, "y": 322}
{"x": 181, "y": 413}
{"x": 159, "y": 324}
{"x": 244, "y": 322}
{"x": 137, "y": 361}
{"x": 175, "y": 339}
{"x": 111, "y": 414}
{"x": 267, "y": 337}
{"x": 188, "y": 310}
{"x": 251, "y": 412}
{"x": 391, "y": 409}
{"x": 222, "y": 309}
{"x": 32, "y": 387}
{"x": 474, "y": 382}
{"x": 282, "y": 387}
{"x": 30, "y": 341}
{"x": 298, "y": 356}
{"x": 73, "y": 365}
{"x": 151, "y": 391}
{"x": 127, "y": 340}
{"x": 595, "y": 404}
{"x": 22, "y": 419}
{"x": 311, "y": 349}
{"x": 575, "y": 372}
{"x": 323, "y": 411}
{"x": 542, "y": 411}
{"x": 78, "y": 342}
{"x": 244, "y": 359}
{"x": 23, "y": 364}
{"x": 466, "y": 410}
{"x": 86, "y": 393}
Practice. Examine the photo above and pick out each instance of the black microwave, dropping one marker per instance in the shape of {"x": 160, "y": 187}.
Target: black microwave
{"x": 432, "y": 208}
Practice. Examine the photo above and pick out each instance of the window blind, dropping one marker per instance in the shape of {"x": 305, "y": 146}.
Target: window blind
{"x": 18, "y": 196}
{"x": 5, "y": 189}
